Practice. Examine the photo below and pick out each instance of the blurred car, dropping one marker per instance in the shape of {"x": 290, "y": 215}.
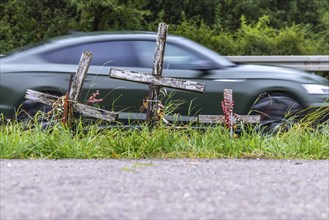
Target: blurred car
{"x": 267, "y": 90}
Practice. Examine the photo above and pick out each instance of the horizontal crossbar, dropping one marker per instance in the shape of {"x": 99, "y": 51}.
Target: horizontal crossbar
{"x": 220, "y": 119}
{"x": 86, "y": 110}
{"x": 155, "y": 80}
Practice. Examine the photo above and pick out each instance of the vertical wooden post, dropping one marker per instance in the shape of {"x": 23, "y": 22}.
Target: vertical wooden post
{"x": 227, "y": 106}
{"x": 67, "y": 113}
{"x": 76, "y": 85}
{"x": 80, "y": 75}
{"x": 154, "y": 91}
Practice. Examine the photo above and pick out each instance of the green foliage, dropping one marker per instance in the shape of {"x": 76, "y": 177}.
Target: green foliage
{"x": 19, "y": 141}
{"x": 94, "y": 15}
{"x": 29, "y": 21}
{"x": 257, "y": 39}
{"x": 230, "y": 27}
{"x": 305, "y": 139}
{"x": 171, "y": 11}
{"x": 260, "y": 39}
{"x": 199, "y": 32}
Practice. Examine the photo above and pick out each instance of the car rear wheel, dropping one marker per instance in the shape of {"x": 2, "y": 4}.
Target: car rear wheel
{"x": 277, "y": 110}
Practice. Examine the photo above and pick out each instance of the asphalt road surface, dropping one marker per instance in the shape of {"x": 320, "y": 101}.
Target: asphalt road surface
{"x": 164, "y": 189}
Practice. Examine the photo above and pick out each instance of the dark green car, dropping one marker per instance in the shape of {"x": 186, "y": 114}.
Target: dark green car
{"x": 267, "y": 90}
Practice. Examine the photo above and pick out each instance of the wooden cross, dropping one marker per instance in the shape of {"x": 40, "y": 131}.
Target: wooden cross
{"x": 229, "y": 118}
{"x": 155, "y": 80}
{"x": 71, "y": 98}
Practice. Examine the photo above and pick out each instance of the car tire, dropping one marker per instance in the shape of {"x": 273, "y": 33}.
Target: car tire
{"x": 278, "y": 112}
{"x": 29, "y": 109}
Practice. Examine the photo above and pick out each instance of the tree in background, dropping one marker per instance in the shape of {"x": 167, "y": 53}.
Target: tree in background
{"x": 29, "y": 21}
{"x": 95, "y": 15}
{"x": 171, "y": 11}
{"x": 231, "y": 27}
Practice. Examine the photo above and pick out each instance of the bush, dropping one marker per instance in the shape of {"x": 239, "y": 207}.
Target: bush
{"x": 257, "y": 39}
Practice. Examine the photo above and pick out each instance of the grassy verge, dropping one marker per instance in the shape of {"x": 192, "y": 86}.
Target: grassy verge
{"x": 21, "y": 142}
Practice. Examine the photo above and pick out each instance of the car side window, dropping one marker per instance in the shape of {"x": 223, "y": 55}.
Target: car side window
{"x": 175, "y": 57}
{"x": 110, "y": 53}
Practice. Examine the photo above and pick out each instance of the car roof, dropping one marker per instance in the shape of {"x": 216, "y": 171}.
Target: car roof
{"x": 87, "y": 37}
{"x": 81, "y": 37}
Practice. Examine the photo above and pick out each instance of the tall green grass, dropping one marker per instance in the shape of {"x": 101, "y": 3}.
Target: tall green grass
{"x": 25, "y": 141}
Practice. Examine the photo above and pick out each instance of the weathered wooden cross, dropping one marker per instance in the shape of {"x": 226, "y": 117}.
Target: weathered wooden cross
{"x": 69, "y": 103}
{"x": 229, "y": 118}
{"x": 155, "y": 80}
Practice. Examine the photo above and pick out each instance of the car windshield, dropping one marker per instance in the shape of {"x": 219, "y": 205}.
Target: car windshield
{"x": 174, "y": 57}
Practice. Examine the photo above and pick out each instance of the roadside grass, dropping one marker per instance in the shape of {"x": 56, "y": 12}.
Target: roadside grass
{"x": 32, "y": 141}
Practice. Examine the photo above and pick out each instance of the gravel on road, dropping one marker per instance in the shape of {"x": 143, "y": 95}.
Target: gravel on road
{"x": 164, "y": 189}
